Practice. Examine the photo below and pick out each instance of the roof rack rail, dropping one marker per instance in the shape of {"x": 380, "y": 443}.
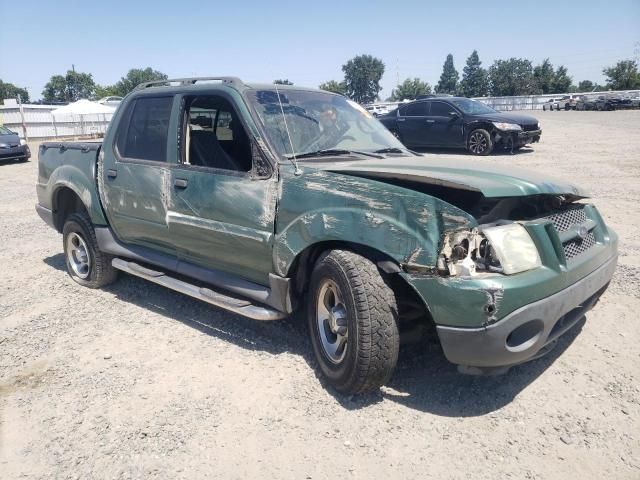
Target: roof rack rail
{"x": 190, "y": 81}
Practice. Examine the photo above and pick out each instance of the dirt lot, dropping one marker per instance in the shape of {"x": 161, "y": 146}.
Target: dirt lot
{"x": 137, "y": 381}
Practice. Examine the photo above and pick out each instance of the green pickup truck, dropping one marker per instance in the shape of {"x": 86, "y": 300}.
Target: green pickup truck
{"x": 264, "y": 199}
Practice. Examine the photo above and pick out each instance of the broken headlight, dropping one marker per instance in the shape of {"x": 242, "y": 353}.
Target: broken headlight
{"x": 506, "y": 249}
{"x": 513, "y": 247}
{"x": 507, "y": 127}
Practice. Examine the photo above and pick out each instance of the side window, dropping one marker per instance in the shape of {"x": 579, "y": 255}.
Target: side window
{"x": 148, "y": 129}
{"x": 418, "y": 109}
{"x": 215, "y": 137}
{"x": 441, "y": 109}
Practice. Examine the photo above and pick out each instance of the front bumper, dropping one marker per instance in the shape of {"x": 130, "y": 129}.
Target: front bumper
{"x": 518, "y": 139}
{"x": 21, "y": 152}
{"x": 522, "y": 334}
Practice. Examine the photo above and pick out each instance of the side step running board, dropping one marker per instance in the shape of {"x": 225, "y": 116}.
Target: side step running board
{"x": 236, "y": 305}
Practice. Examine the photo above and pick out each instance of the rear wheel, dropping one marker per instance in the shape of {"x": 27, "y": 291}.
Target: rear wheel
{"x": 86, "y": 264}
{"x": 479, "y": 142}
{"x": 352, "y": 322}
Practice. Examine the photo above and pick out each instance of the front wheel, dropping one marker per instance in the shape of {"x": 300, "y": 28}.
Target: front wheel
{"x": 352, "y": 322}
{"x": 86, "y": 264}
{"x": 479, "y": 142}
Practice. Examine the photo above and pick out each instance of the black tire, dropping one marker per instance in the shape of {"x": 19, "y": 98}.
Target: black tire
{"x": 544, "y": 108}
{"x": 479, "y": 142}
{"x": 567, "y": 107}
{"x": 78, "y": 230}
{"x": 370, "y": 312}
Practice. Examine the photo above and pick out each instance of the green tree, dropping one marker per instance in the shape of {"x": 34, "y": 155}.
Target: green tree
{"x": 474, "y": 78}
{"x": 544, "y": 75}
{"x": 362, "y": 75}
{"x": 449, "y": 78}
{"x": 9, "y": 90}
{"x": 105, "y": 91}
{"x": 588, "y": 86}
{"x": 511, "y": 77}
{"x": 623, "y": 76}
{"x": 282, "y": 82}
{"x": 333, "y": 86}
{"x": 410, "y": 89}
{"x": 69, "y": 88}
{"x": 135, "y": 77}
{"x": 561, "y": 80}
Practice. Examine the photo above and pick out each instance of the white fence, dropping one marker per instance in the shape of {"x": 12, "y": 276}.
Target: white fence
{"x": 40, "y": 123}
{"x": 535, "y": 102}
{"x": 526, "y": 102}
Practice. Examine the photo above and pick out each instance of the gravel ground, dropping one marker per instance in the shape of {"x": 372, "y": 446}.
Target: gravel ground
{"x": 137, "y": 381}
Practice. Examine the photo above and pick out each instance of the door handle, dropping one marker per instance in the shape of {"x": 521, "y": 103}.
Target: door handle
{"x": 111, "y": 173}
{"x": 401, "y": 119}
{"x": 431, "y": 121}
{"x": 180, "y": 183}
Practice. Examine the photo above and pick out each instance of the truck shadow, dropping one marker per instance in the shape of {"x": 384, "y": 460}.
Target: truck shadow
{"x": 424, "y": 380}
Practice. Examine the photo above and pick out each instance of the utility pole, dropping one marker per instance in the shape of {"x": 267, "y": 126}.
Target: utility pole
{"x": 24, "y": 125}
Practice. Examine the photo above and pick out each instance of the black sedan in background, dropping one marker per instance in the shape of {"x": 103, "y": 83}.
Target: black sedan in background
{"x": 12, "y": 147}
{"x": 460, "y": 123}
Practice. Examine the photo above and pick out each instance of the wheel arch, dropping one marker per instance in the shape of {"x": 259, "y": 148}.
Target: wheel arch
{"x": 300, "y": 271}
{"x": 66, "y": 201}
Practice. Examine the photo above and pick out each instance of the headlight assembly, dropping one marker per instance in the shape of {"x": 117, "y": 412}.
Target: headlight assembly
{"x": 23, "y": 141}
{"x": 507, "y": 127}
{"x": 506, "y": 249}
{"x": 514, "y": 248}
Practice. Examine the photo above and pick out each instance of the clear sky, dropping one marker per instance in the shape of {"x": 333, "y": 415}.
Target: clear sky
{"x": 306, "y": 42}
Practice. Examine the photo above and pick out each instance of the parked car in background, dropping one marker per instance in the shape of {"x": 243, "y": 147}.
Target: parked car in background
{"x": 568, "y": 102}
{"x": 377, "y": 110}
{"x": 304, "y": 201}
{"x": 459, "y": 122}
{"x": 585, "y": 103}
{"x": 12, "y": 147}
{"x": 551, "y": 104}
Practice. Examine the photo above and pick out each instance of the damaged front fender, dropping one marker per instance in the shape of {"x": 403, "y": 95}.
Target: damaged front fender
{"x": 321, "y": 206}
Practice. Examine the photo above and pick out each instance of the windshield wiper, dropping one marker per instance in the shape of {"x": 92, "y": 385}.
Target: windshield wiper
{"x": 332, "y": 151}
{"x": 389, "y": 150}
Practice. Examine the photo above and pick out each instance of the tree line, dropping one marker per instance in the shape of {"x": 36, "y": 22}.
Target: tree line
{"x": 508, "y": 77}
{"x": 362, "y": 76}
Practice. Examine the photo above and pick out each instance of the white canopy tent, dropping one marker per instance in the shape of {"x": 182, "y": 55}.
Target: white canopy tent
{"x": 83, "y": 107}
{"x": 82, "y": 117}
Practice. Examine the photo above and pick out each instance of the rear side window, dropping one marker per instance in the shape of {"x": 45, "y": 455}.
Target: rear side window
{"x": 416, "y": 110}
{"x": 441, "y": 109}
{"x": 148, "y": 129}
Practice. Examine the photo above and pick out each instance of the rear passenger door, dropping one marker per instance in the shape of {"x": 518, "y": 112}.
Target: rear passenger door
{"x": 222, "y": 207}
{"x": 136, "y": 170}
{"x": 412, "y": 124}
{"x": 446, "y": 127}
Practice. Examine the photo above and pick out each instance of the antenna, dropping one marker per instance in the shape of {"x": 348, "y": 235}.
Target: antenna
{"x": 293, "y": 158}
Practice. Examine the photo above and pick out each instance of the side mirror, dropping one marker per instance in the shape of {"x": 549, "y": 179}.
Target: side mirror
{"x": 454, "y": 115}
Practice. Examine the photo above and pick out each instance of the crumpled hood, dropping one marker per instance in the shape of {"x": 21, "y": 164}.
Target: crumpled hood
{"x": 490, "y": 179}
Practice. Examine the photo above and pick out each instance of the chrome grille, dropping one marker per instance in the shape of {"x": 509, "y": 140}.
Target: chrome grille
{"x": 566, "y": 219}
{"x": 575, "y": 247}
{"x": 563, "y": 221}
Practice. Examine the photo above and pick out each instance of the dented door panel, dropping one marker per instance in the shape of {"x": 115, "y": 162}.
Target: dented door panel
{"x": 224, "y": 221}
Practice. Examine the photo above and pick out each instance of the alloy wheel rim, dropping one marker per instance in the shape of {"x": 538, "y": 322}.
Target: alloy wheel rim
{"x": 331, "y": 320}
{"x": 477, "y": 143}
{"x": 78, "y": 255}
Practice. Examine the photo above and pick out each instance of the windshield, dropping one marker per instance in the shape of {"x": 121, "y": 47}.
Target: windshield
{"x": 318, "y": 121}
{"x": 5, "y": 131}
{"x": 472, "y": 107}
